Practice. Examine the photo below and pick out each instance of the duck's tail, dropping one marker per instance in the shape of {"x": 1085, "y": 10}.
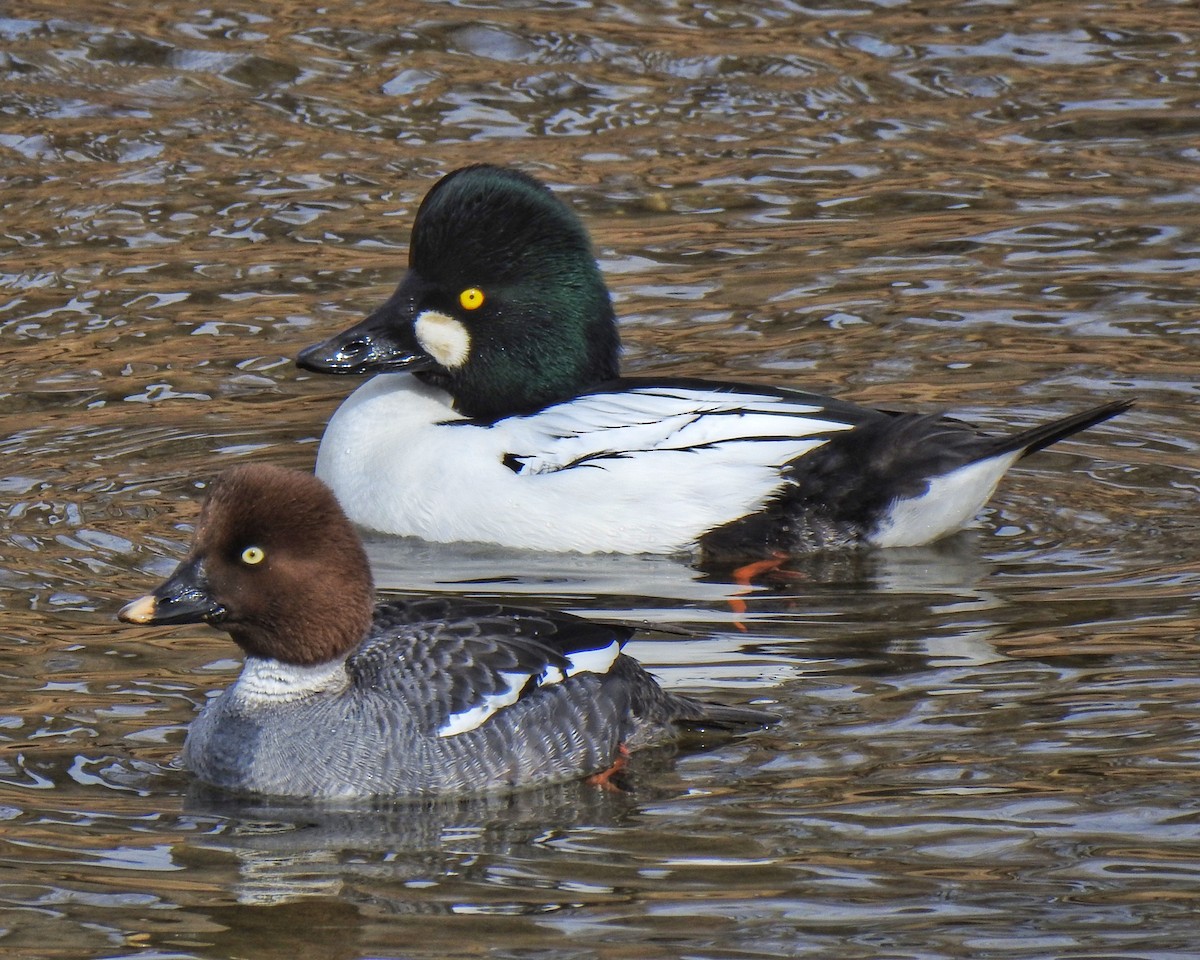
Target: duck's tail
{"x": 720, "y": 716}
{"x": 1038, "y": 438}
{"x": 656, "y": 714}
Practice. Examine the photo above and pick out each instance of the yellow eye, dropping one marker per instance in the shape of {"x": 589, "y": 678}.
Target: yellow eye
{"x": 471, "y": 298}
{"x": 253, "y": 555}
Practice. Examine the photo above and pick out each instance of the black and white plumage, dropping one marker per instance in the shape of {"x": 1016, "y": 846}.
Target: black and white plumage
{"x": 476, "y": 659}
{"x": 342, "y": 699}
{"x": 499, "y": 415}
{"x": 665, "y": 466}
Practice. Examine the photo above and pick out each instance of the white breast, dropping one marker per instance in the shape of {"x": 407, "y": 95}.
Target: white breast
{"x": 398, "y": 466}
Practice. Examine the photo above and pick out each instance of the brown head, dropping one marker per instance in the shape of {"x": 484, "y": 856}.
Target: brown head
{"x": 275, "y": 562}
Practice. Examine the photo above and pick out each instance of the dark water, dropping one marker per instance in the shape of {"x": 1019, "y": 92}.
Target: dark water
{"x": 991, "y": 746}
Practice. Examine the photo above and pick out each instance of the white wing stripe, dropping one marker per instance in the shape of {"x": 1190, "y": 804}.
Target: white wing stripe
{"x": 737, "y": 426}
{"x": 583, "y": 661}
{"x": 469, "y": 719}
{"x": 593, "y": 661}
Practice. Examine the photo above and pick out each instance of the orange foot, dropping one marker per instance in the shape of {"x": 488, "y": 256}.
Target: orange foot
{"x": 745, "y": 575}
{"x": 603, "y": 779}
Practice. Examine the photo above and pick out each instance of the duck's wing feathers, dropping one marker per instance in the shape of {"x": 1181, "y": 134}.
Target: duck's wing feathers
{"x": 456, "y": 663}
{"x": 631, "y": 417}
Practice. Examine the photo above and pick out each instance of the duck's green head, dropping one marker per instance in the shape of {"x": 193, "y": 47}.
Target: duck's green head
{"x": 503, "y": 304}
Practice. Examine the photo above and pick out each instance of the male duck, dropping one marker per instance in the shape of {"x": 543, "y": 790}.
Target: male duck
{"x": 501, "y": 417}
{"x": 339, "y": 698}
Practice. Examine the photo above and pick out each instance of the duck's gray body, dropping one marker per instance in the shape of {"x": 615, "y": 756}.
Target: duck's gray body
{"x": 341, "y": 698}
{"x": 369, "y": 725}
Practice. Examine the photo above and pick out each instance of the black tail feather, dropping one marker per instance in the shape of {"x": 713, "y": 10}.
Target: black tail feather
{"x": 1038, "y": 438}
{"x": 720, "y": 716}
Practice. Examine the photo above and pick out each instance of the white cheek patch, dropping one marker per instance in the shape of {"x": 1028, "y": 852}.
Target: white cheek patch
{"x": 443, "y": 338}
{"x": 585, "y": 661}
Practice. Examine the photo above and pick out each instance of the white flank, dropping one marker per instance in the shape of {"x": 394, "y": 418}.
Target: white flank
{"x": 646, "y": 471}
{"x": 951, "y": 502}
{"x": 443, "y": 338}
{"x": 269, "y": 681}
{"x": 585, "y": 661}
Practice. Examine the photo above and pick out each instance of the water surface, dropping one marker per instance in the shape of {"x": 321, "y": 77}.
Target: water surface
{"x": 989, "y": 746}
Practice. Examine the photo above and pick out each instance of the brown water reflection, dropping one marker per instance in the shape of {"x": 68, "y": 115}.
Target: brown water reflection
{"x": 990, "y": 745}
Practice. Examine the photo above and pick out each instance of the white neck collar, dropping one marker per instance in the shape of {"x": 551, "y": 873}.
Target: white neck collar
{"x": 270, "y": 681}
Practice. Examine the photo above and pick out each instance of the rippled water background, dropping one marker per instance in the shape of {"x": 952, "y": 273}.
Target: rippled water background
{"x": 991, "y": 746}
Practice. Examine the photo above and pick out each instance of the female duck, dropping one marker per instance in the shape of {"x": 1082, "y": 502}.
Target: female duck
{"x": 340, "y": 698}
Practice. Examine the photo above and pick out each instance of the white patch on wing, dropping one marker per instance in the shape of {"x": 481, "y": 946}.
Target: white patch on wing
{"x": 951, "y": 501}
{"x": 443, "y": 338}
{"x": 458, "y": 723}
{"x": 584, "y": 661}
{"x": 264, "y": 681}
{"x": 593, "y": 661}
{"x": 655, "y": 419}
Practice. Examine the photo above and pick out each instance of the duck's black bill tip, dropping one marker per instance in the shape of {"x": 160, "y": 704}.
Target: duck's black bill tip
{"x": 328, "y": 357}
{"x": 359, "y": 356}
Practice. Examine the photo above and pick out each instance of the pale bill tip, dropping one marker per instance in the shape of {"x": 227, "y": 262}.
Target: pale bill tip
{"x": 140, "y": 610}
